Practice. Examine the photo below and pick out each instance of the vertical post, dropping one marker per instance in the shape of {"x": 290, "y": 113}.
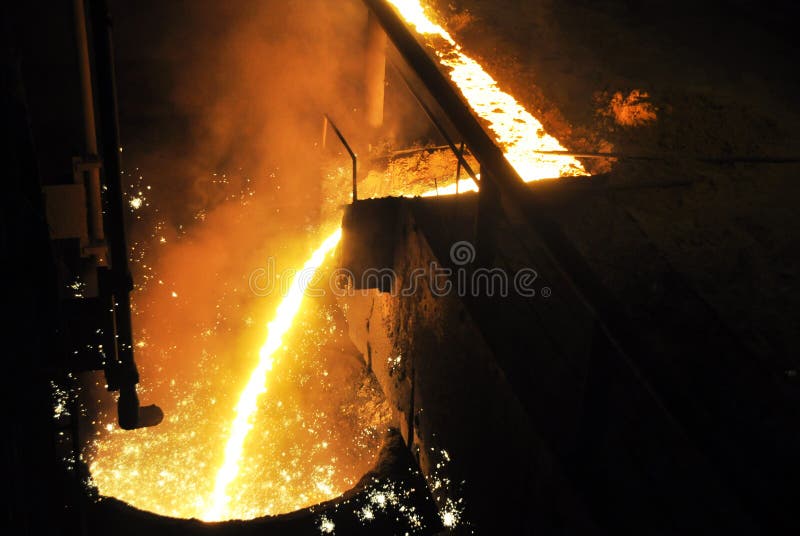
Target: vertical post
{"x": 92, "y": 180}
{"x": 460, "y": 157}
{"x": 487, "y": 217}
{"x": 375, "y": 71}
{"x": 121, "y": 372}
{"x": 353, "y": 156}
{"x": 355, "y": 177}
{"x": 324, "y": 131}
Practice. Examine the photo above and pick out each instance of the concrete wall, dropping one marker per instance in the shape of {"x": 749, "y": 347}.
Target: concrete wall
{"x": 523, "y": 407}
{"x": 459, "y": 414}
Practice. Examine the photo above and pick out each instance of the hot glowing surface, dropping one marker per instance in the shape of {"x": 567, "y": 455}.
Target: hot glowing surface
{"x": 516, "y": 131}
{"x": 199, "y": 327}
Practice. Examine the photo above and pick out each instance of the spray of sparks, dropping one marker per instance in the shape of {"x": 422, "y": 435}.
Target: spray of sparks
{"x": 319, "y": 430}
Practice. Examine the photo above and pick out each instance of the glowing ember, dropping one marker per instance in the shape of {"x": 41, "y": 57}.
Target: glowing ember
{"x": 246, "y": 407}
{"x": 465, "y": 185}
{"x": 326, "y": 526}
{"x": 516, "y": 131}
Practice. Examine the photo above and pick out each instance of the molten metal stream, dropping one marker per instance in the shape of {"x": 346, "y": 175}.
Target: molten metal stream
{"x": 247, "y": 404}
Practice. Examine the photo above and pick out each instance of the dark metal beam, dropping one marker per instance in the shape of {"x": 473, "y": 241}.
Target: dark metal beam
{"x": 121, "y": 371}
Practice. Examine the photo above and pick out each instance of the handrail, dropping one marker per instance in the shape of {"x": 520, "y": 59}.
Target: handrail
{"x": 425, "y": 108}
{"x": 349, "y": 150}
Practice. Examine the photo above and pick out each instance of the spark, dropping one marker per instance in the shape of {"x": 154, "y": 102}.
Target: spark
{"x": 449, "y": 519}
{"x": 367, "y": 513}
{"x": 326, "y": 526}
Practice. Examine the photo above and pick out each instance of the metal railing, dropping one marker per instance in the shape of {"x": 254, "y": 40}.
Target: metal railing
{"x": 328, "y": 121}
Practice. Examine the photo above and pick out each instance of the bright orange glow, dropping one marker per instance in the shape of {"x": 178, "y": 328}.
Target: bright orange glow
{"x": 256, "y": 386}
{"x": 516, "y": 131}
